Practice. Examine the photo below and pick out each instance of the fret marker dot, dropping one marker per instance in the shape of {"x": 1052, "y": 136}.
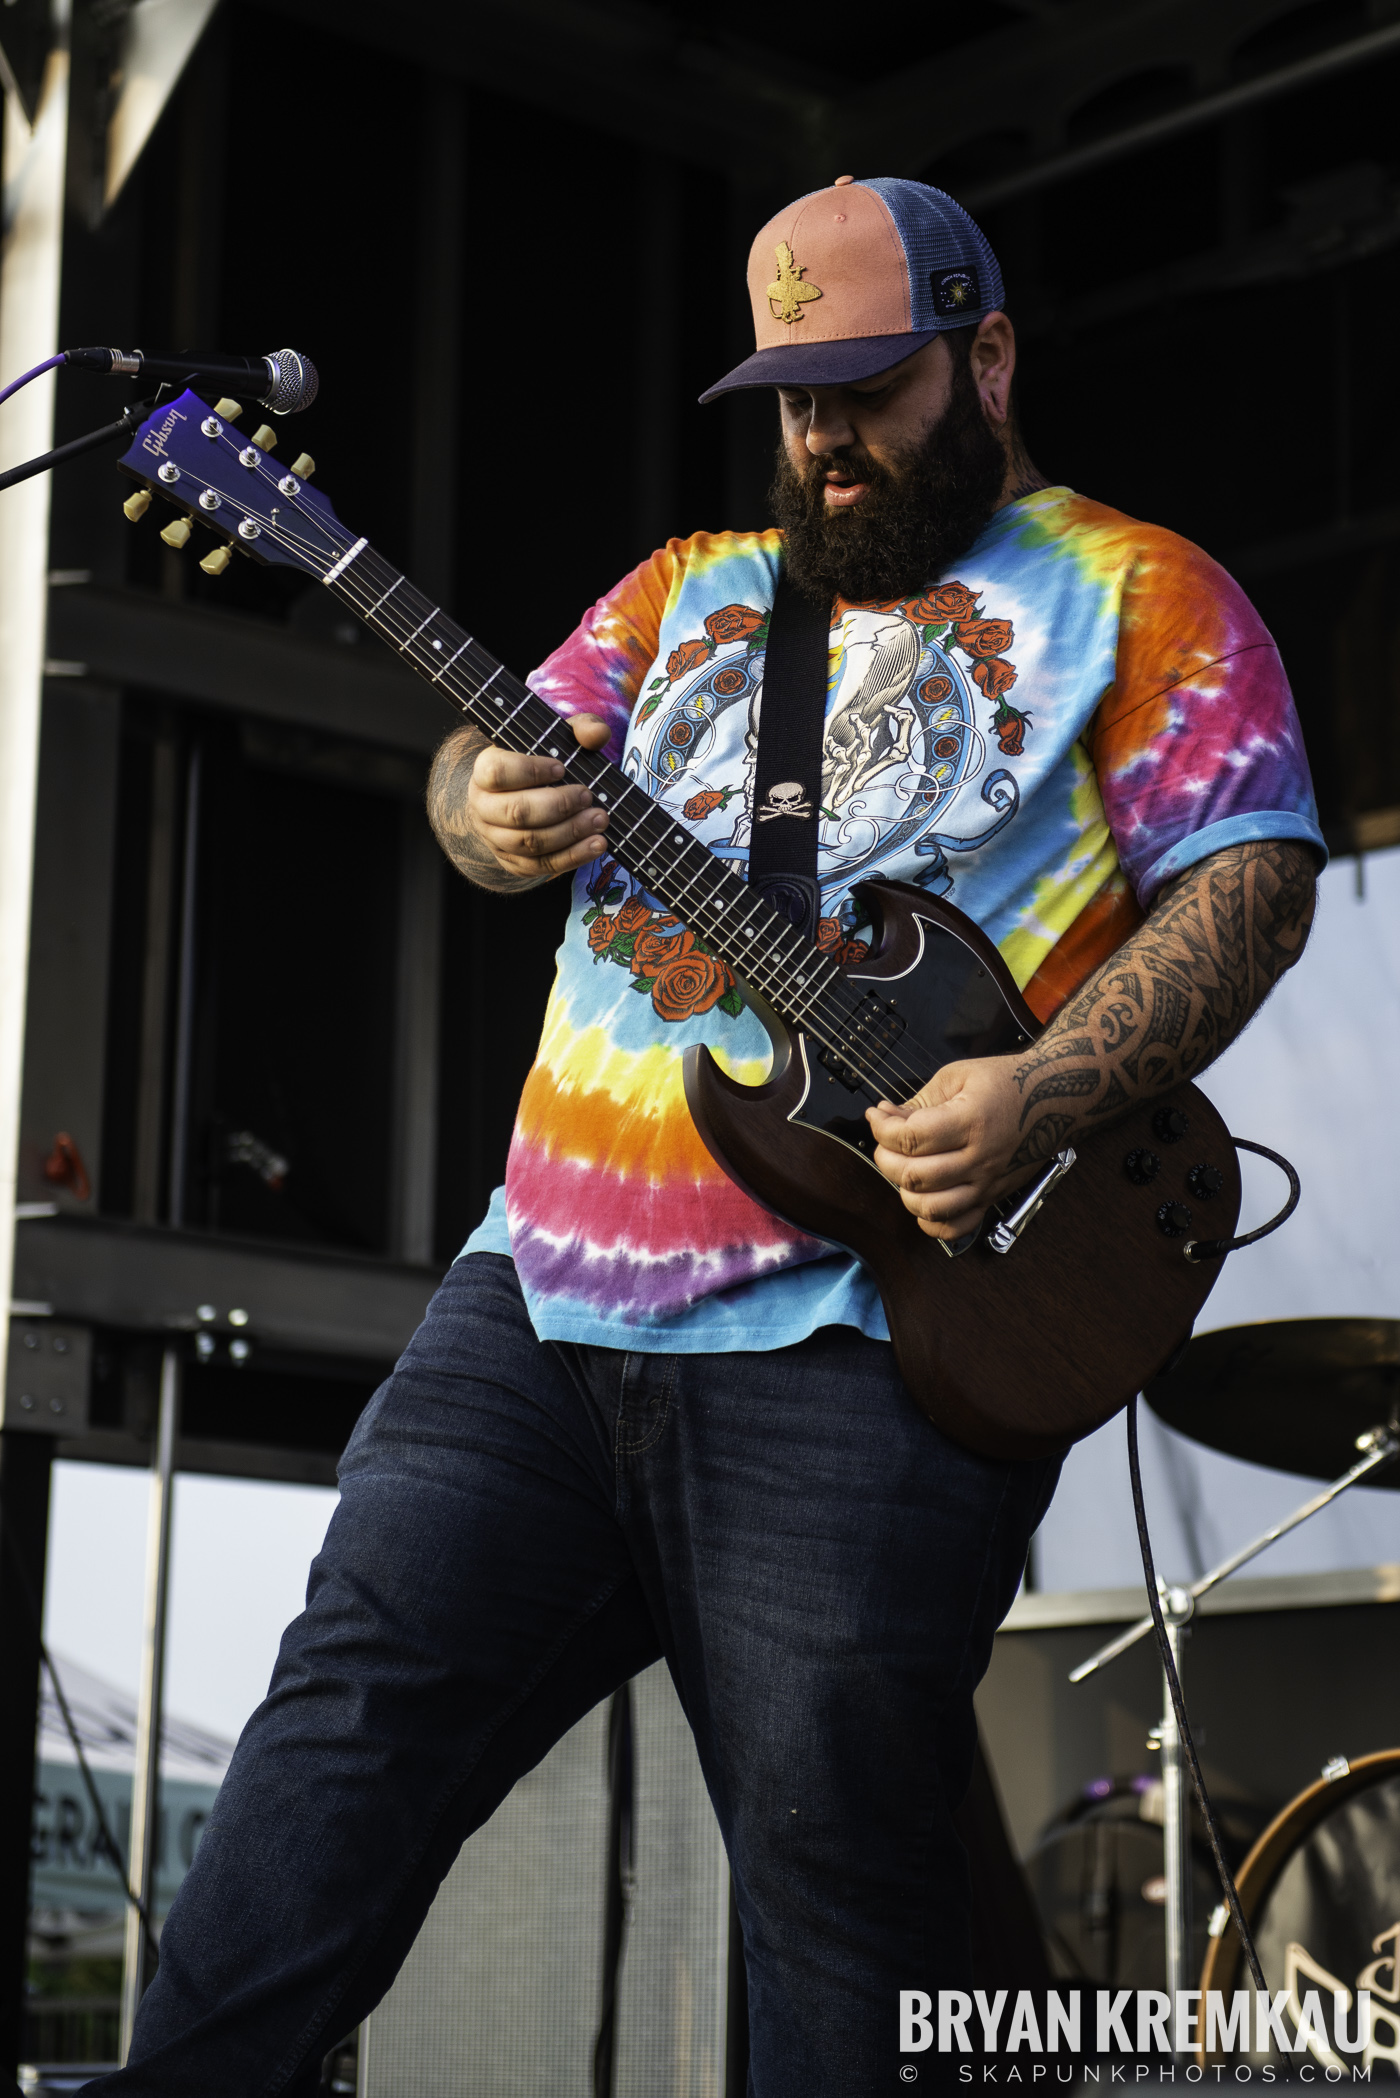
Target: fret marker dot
{"x": 437, "y": 644}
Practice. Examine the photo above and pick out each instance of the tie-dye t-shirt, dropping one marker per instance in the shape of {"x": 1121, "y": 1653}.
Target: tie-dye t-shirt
{"x": 1079, "y": 709}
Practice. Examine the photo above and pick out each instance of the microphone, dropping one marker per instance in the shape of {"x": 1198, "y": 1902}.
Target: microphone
{"x": 283, "y": 381}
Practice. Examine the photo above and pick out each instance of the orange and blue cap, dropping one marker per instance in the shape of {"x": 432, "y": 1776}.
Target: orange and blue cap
{"x": 852, "y": 279}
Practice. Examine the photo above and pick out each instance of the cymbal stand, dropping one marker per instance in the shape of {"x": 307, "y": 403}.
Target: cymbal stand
{"x": 1379, "y": 1446}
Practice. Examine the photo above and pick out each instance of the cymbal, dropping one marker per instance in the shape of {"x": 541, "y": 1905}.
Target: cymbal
{"x": 1292, "y": 1394}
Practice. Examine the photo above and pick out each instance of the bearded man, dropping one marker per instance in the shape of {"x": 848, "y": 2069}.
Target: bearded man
{"x": 644, "y": 1416}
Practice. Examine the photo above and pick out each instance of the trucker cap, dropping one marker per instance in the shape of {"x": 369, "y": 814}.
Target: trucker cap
{"x": 849, "y": 280}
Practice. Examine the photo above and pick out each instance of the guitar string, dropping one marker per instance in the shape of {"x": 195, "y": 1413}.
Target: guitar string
{"x": 706, "y": 868}
{"x": 887, "y": 1071}
{"x": 896, "y": 1069}
{"x": 887, "y": 1063}
{"x": 372, "y": 610}
{"x": 847, "y": 1048}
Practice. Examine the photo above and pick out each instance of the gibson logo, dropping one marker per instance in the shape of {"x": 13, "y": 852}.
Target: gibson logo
{"x": 154, "y": 440}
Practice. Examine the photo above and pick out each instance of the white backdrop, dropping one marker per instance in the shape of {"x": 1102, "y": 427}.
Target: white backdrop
{"x": 1315, "y": 1077}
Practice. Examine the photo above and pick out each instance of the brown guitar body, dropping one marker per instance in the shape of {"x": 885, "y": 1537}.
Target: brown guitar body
{"x": 1018, "y": 1354}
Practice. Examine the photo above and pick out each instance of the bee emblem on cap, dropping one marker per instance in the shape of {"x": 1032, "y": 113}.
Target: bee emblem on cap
{"x": 789, "y": 295}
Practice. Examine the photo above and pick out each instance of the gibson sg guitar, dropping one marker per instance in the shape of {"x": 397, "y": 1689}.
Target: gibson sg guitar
{"x": 1016, "y": 1340}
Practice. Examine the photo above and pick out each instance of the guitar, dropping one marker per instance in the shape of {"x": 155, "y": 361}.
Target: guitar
{"x": 1015, "y": 1340}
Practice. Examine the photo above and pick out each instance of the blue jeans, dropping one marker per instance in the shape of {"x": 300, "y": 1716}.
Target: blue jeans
{"x": 522, "y": 1527}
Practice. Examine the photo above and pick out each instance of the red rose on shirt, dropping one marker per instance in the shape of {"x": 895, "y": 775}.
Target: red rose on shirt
{"x": 656, "y": 947}
{"x": 690, "y": 984}
{"x": 984, "y": 637}
{"x": 831, "y": 939}
{"x": 948, "y": 601}
{"x": 633, "y": 914}
{"x": 1010, "y": 728}
{"x": 733, "y": 623}
{"x": 600, "y": 932}
{"x": 689, "y": 656}
{"x": 995, "y": 675}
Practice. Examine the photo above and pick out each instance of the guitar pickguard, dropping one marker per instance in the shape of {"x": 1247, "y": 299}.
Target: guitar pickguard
{"x": 952, "y": 1008}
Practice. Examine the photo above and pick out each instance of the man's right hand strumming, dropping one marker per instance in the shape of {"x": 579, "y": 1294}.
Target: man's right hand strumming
{"x": 508, "y": 821}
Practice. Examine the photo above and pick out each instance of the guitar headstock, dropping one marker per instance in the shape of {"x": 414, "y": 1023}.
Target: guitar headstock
{"x": 192, "y": 455}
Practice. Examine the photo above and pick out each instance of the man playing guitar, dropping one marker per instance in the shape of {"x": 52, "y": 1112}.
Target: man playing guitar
{"x": 644, "y": 1416}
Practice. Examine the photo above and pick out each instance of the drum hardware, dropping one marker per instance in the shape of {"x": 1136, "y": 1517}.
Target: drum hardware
{"x": 1337, "y": 1838}
{"x": 1178, "y": 1606}
{"x": 1271, "y": 1373}
{"x": 1380, "y": 1445}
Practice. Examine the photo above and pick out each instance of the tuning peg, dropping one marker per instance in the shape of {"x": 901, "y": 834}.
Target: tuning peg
{"x": 230, "y": 410}
{"x": 137, "y": 505}
{"x": 265, "y": 437}
{"x": 304, "y": 465}
{"x": 177, "y": 534}
{"x": 217, "y": 562}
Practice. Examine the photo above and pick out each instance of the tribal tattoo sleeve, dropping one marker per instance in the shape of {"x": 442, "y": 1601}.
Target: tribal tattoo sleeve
{"x": 1173, "y": 996}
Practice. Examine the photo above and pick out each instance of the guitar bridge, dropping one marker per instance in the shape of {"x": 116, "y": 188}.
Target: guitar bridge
{"x": 1005, "y": 1235}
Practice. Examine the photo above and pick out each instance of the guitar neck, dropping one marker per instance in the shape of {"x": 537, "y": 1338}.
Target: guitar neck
{"x": 801, "y": 984}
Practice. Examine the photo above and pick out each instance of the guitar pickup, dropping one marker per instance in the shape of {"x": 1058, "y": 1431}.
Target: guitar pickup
{"x": 871, "y": 1032}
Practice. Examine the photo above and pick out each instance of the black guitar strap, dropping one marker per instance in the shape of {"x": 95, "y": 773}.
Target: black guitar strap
{"x": 787, "y": 787}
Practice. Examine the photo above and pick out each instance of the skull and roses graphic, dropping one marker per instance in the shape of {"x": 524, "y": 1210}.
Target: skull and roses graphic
{"x": 919, "y": 701}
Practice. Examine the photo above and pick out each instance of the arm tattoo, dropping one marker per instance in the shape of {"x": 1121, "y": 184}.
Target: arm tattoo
{"x": 448, "y": 782}
{"x": 1176, "y": 993}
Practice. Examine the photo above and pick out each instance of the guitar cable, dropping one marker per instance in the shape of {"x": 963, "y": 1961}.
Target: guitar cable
{"x": 1183, "y": 1725}
{"x": 1217, "y": 1248}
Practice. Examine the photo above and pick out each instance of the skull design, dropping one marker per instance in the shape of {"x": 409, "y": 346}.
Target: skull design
{"x": 786, "y": 799}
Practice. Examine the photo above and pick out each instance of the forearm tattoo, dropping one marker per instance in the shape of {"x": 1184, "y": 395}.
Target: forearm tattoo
{"x": 1173, "y": 996}
{"x": 448, "y": 783}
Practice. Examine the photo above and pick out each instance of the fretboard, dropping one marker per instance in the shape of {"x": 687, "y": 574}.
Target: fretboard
{"x": 803, "y": 985}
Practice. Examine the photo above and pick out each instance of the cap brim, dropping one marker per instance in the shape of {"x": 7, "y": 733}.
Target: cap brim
{"x": 822, "y": 363}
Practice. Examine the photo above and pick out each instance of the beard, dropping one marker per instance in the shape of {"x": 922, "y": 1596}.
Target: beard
{"x": 919, "y": 513}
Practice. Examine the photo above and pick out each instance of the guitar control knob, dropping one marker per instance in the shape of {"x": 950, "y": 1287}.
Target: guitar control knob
{"x": 1173, "y": 1220}
{"x": 1169, "y": 1125}
{"x": 1141, "y": 1167}
{"x": 1205, "y": 1182}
